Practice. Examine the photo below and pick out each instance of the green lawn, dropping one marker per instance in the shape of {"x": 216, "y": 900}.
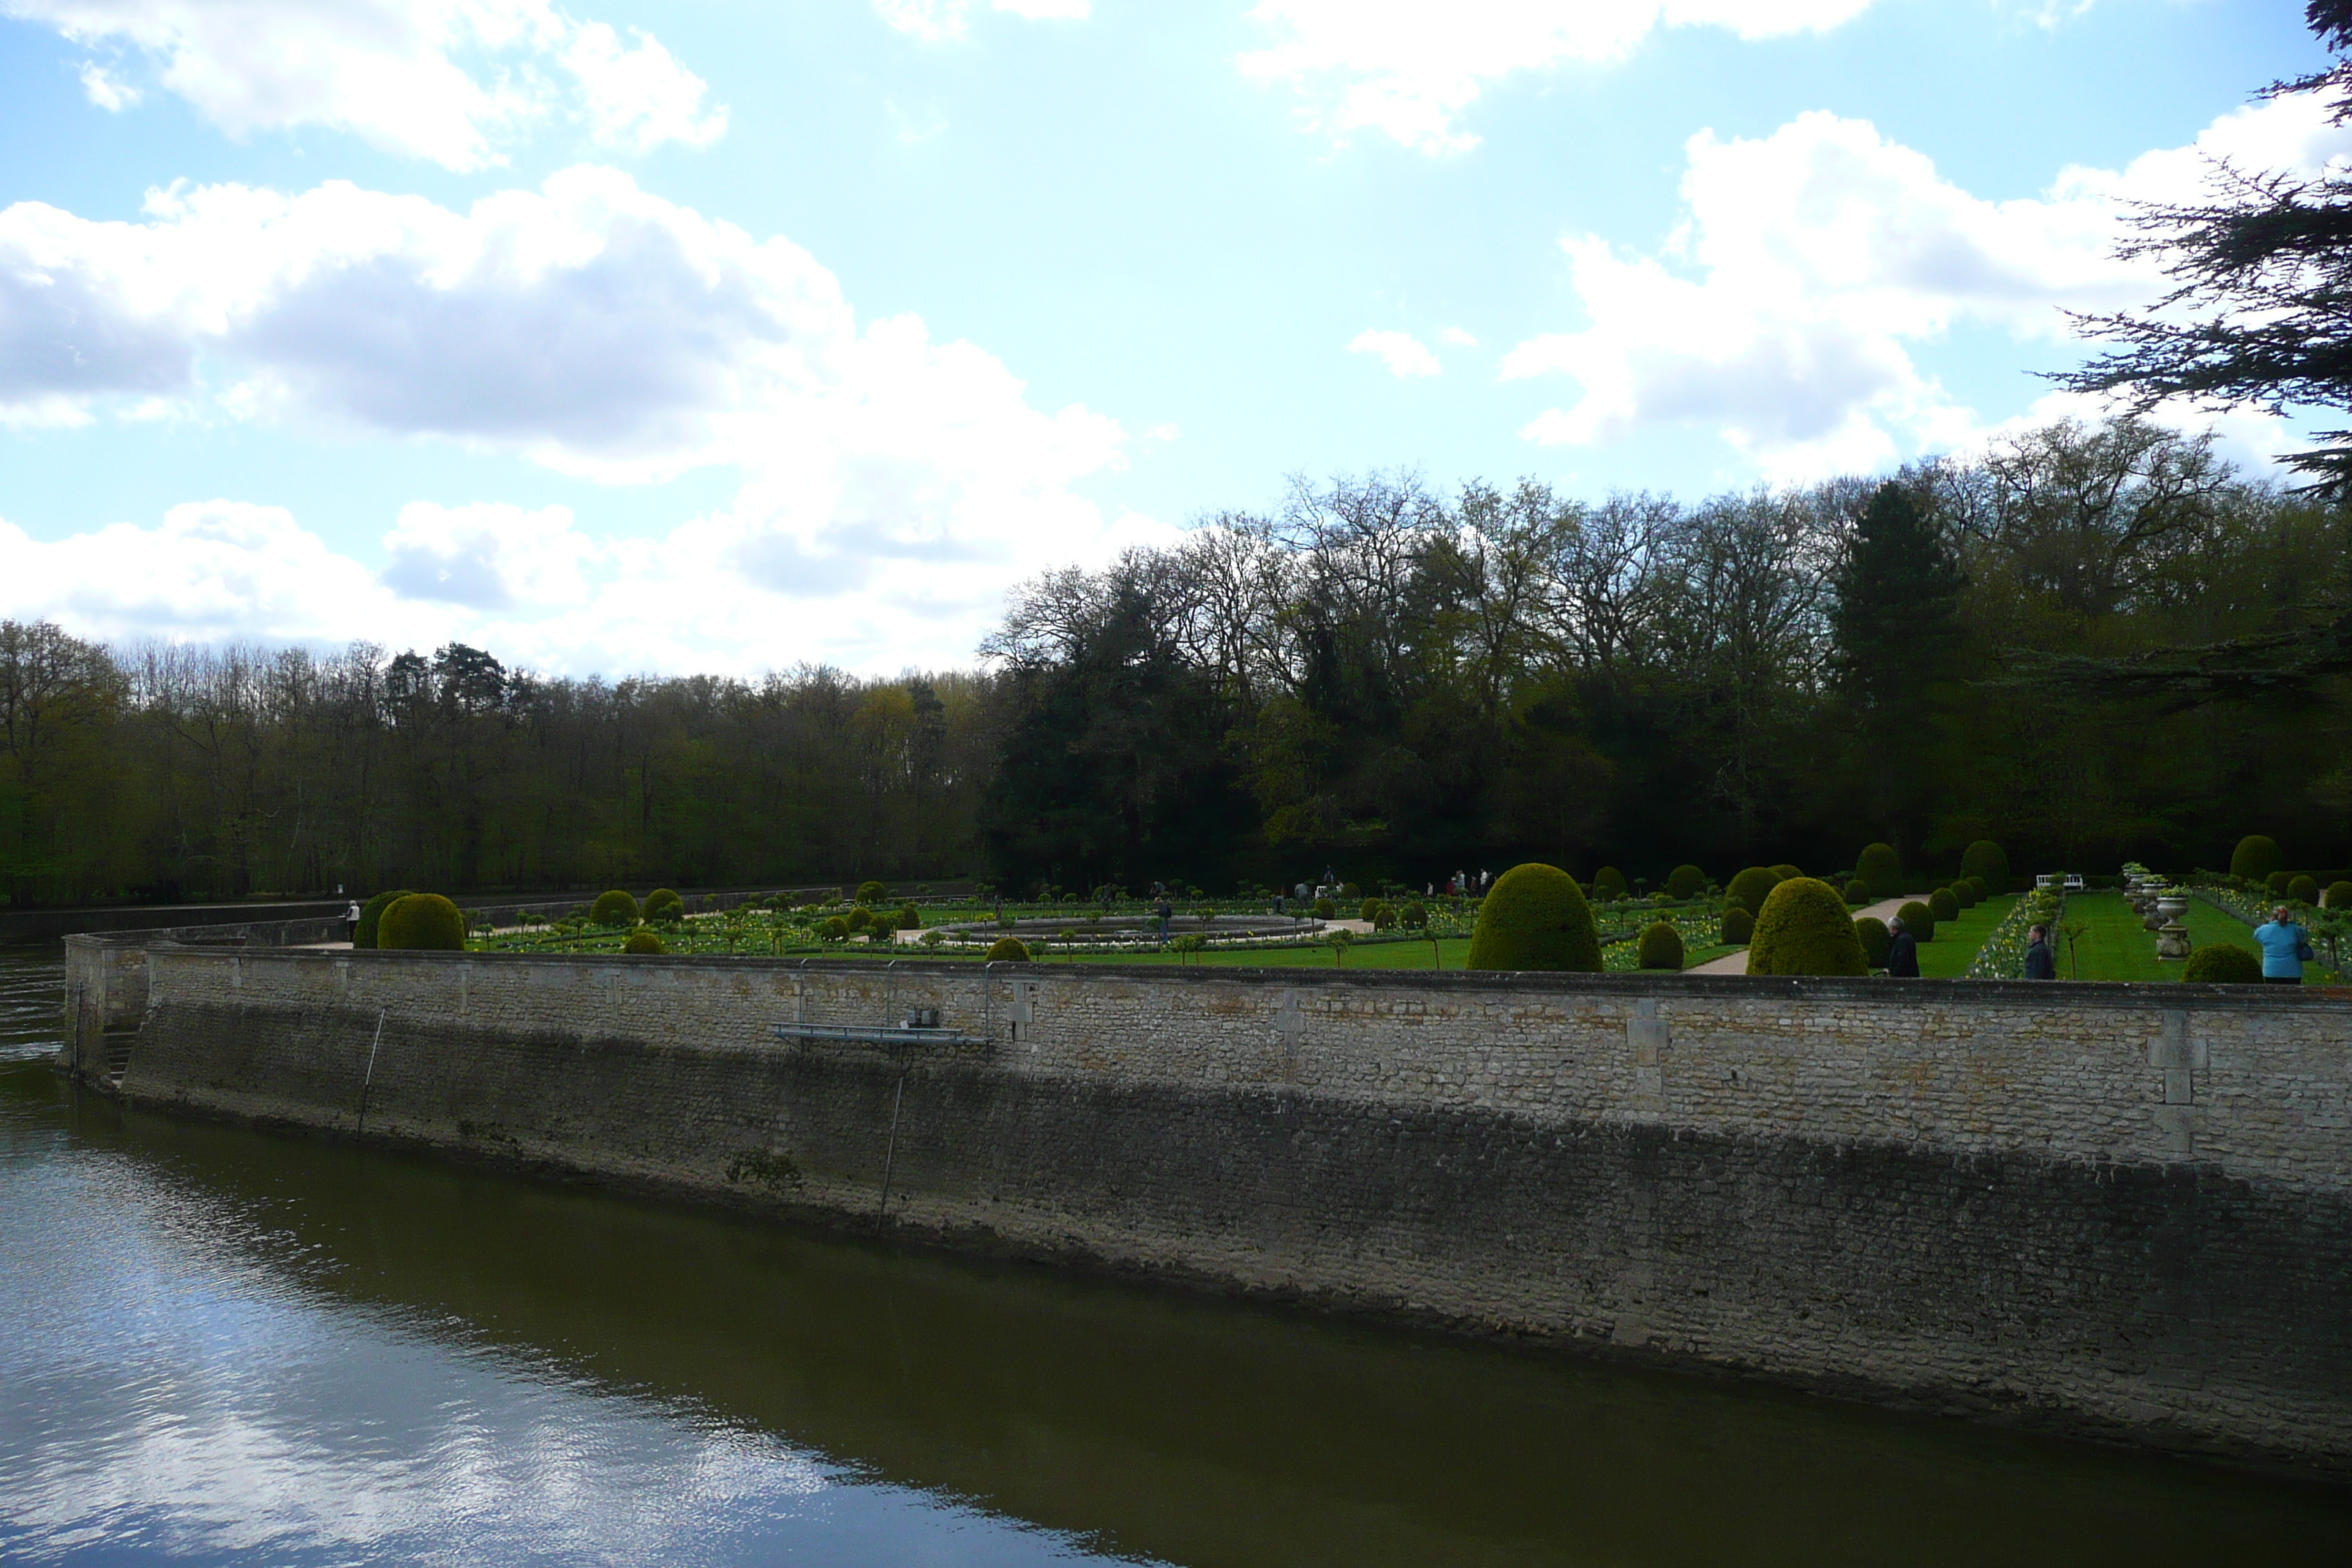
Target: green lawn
{"x": 1450, "y": 952}
{"x": 1957, "y": 942}
{"x": 2114, "y": 946}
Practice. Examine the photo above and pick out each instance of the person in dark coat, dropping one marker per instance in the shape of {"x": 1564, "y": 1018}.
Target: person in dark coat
{"x": 1902, "y": 951}
{"x": 2041, "y": 964}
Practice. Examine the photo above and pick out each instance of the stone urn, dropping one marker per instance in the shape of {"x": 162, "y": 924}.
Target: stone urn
{"x": 2172, "y": 940}
{"x": 2151, "y": 908}
{"x": 2172, "y": 905}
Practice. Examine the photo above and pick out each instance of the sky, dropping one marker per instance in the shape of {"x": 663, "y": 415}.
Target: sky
{"x": 732, "y": 336}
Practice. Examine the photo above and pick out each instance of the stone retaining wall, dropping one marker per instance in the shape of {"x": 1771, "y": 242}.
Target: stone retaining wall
{"x": 2122, "y": 1209}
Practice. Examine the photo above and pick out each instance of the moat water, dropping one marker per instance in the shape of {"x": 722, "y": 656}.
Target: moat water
{"x": 223, "y": 1346}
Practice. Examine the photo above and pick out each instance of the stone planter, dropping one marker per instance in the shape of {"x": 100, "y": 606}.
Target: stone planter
{"x": 2173, "y": 940}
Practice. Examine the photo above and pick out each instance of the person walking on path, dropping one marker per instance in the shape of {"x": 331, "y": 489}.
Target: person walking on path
{"x": 1902, "y": 951}
{"x": 2286, "y": 948}
{"x": 1163, "y": 911}
{"x": 2041, "y": 964}
{"x": 352, "y": 923}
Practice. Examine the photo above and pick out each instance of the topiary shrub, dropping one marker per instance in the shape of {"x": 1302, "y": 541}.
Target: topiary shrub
{"x": 1686, "y": 882}
{"x": 1964, "y": 893}
{"x": 1738, "y": 925}
{"x": 2223, "y": 964}
{"x": 1750, "y": 887}
{"x": 613, "y": 909}
{"x": 1857, "y": 891}
{"x": 860, "y": 919}
{"x": 1875, "y": 939}
{"x": 1384, "y": 915}
{"x": 1918, "y": 919}
{"x": 1784, "y": 871}
{"x": 1370, "y": 911}
{"x": 1804, "y": 929}
{"x": 909, "y": 919}
{"x": 1880, "y": 870}
{"x": 871, "y": 892}
{"x": 2339, "y": 895}
{"x": 2277, "y": 883}
{"x": 835, "y": 929}
{"x": 1534, "y": 918}
{"x": 1609, "y": 884}
{"x": 1661, "y": 947}
{"x": 1326, "y": 910}
{"x": 1417, "y": 914}
{"x": 2303, "y": 890}
{"x": 1943, "y": 905}
{"x": 643, "y": 940}
{"x": 667, "y": 914}
{"x": 2255, "y": 858}
{"x": 1008, "y": 950}
{"x": 422, "y": 922}
{"x": 371, "y": 916}
{"x": 1987, "y": 862}
{"x": 1350, "y": 890}
{"x": 662, "y": 899}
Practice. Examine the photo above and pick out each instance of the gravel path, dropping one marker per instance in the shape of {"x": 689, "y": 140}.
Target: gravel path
{"x": 1737, "y": 962}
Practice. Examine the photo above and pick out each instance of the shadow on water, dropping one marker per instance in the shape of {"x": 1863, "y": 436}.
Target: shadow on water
{"x": 1134, "y": 1421}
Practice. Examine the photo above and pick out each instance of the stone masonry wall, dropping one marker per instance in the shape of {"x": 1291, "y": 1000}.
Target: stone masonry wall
{"x": 2123, "y": 1209}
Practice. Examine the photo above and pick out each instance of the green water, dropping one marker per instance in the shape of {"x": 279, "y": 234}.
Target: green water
{"x": 222, "y": 1346}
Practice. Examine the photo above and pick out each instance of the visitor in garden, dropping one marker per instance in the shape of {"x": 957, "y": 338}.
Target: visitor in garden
{"x": 1162, "y": 911}
{"x": 352, "y": 923}
{"x": 2286, "y": 948}
{"x": 1902, "y": 951}
{"x": 2041, "y": 964}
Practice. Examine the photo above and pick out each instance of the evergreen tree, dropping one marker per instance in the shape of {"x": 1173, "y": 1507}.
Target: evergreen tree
{"x": 1895, "y": 627}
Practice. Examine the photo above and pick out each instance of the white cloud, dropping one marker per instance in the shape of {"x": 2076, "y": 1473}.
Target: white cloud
{"x": 890, "y": 487}
{"x": 934, "y": 21}
{"x": 1783, "y": 309}
{"x": 1404, "y": 355}
{"x": 445, "y": 80}
{"x": 1408, "y": 68}
{"x": 1456, "y": 337}
{"x": 105, "y": 90}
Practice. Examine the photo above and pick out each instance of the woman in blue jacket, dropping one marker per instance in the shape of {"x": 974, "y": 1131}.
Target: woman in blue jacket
{"x": 2285, "y": 949}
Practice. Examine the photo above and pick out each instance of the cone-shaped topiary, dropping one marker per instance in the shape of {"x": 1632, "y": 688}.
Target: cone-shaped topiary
{"x": 1918, "y": 919}
{"x": 613, "y": 909}
{"x": 2339, "y": 895}
{"x": 371, "y": 916}
{"x": 1686, "y": 882}
{"x": 1738, "y": 925}
{"x": 662, "y": 897}
{"x": 1871, "y": 933}
{"x": 643, "y": 940}
{"x": 2255, "y": 858}
{"x": 1989, "y": 862}
{"x": 425, "y": 922}
{"x": 2223, "y": 964}
{"x": 1008, "y": 950}
{"x": 2303, "y": 890}
{"x": 1857, "y": 891}
{"x": 1804, "y": 929}
{"x": 1879, "y": 869}
{"x": 1609, "y": 884}
{"x": 1534, "y": 918}
{"x": 1943, "y": 905}
{"x": 1661, "y": 947}
{"x": 1749, "y": 888}
{"x": 871, "y": 892}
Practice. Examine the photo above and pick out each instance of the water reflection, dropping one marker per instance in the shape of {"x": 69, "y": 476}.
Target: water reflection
{"x": 226, "y": 1345}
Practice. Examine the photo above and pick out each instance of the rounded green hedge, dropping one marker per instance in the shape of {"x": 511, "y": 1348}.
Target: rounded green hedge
{"x": 1965, "y": 894}
{"x": 613, "y": 909}
{"x": 1534, "y": 918}
{"x": 1369, "y": 911}
{"x": 860, "y": 919}
{"x": 1875, "y": 939}
{"x": 1686, "y": 882}
{"x": 2223, "y": 964}
{"x": 1751, "y": 887}
{"x": 1327, "y": 909}
{"x": 1008, "y": 950}
{"x": 1415, "y": 914}
{"x": 1917, "y": 919}
{"x": 1981, "y": 887}
{"x": 1609, "y": 884}
{"x": 1661, "y": 947}
{"x": 2255, "y": 858}
{"x": 2303, "y": 890}
{"x": 1857, "y": 891}
{"x": 1879, "y": 869}
{"x": 835, "y": 929}
{"x": 1804, "y": 929}
{"x": 1989, "y": 863}
{"x": 909, "y": 918}
{"x": 1943, "y": 905}
{"x": 371, "y": 916}
{"x": 871, "y": 892}
{"x": 1738, "y": 926}
{"x": 1785, "y": 871}
{"x": 423, "y": 922}
{"x": 643, "y": 940}
{"x": 2276, "y": 884}
{"x": 2339, "y": 895}
{"x": 662, "y": 897}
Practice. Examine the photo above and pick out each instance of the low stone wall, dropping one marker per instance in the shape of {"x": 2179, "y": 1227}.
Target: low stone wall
{"x": 2121, "y": 1209}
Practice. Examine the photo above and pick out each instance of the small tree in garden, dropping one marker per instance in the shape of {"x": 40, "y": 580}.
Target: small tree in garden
{"x": 1918, "y": 919}
{"x": 2255, "y": 858}
{"x": 1875, "y": 939}
{"x": 1341, "y": 940}
{"x": 1415, "y": 914}
{"x": 613, "y": 908}
{"x": 1686, "y": 882}
{"x": 1879, "y": 869}
{"x": 835, "y": 929}
{"x": 871, "y": 892}
{"x": 664, "y": 899}
{"x": 1534, "y": 918}
{"x": 1804, "y": 929}
{"x": 1661, "y": 947}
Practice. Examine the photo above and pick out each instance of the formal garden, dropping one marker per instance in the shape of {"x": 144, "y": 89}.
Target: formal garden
{"x": 2134, "y": 925}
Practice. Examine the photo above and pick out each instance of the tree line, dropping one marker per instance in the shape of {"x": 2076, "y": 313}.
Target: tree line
{"x": 1372, "y": 676}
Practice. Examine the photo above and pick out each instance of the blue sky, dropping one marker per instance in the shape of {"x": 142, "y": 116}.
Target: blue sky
{"x": 728, "y": 336}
